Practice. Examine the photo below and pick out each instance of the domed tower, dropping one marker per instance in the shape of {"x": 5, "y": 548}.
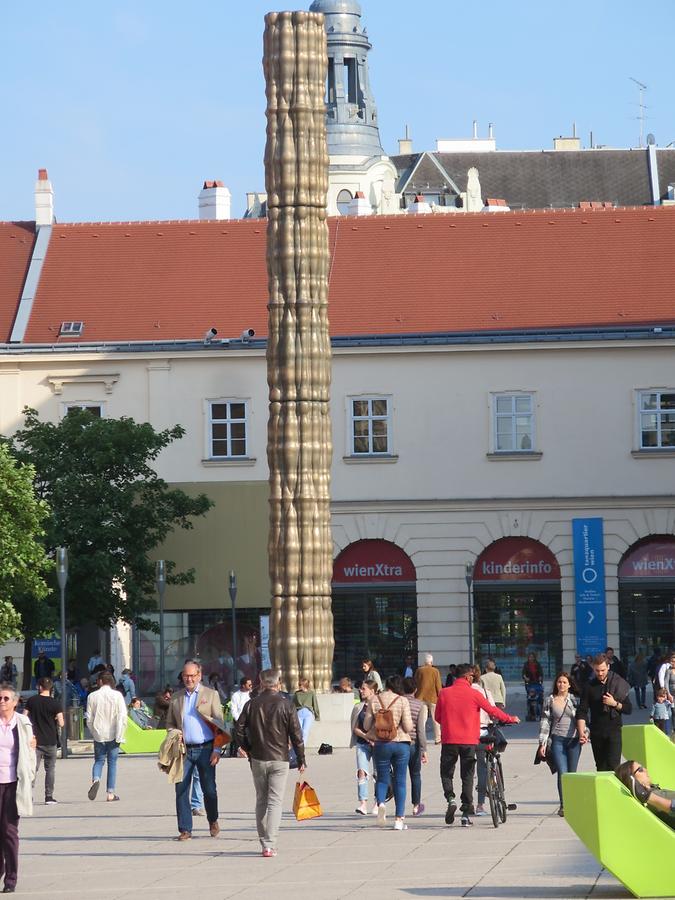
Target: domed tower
{"x": 361, "y": 177}
{"x": 351, "y": 116}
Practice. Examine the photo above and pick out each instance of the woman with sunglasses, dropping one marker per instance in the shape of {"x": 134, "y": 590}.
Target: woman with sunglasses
{"x": 17, "y": 772}
{"x": 636, "y": 778}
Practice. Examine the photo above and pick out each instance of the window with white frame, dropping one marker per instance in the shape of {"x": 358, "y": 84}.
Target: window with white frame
{"x": 227, "y": 428}
{"x": 657, "y": 419}
{"x": 513, "y": 423}
{"x": 95, "y": 409}
{"x": 370, "y": 426}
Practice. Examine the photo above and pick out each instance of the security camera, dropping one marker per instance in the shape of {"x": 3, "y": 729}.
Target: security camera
{"x": 247, "y": 334}
{"x": 210, "y": 334}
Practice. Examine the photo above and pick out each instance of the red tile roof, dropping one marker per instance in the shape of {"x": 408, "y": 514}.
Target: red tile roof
{"x": 389, "y": 275}
{"x": 16, "y": 245}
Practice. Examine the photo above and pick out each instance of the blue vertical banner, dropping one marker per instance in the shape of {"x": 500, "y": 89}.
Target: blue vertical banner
{"x": 589, "y": 586}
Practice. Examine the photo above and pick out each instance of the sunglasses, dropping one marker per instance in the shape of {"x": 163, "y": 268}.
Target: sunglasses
{"x": 635, "y": 771}
{"x": 6, "y": 699}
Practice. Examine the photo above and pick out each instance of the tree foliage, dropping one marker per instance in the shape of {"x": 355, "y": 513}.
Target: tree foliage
{"x": 23, "y": 561}
{"x": 109, "y": 509}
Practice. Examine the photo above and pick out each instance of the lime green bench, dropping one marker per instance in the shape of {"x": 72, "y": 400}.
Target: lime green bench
{"x": 652, "y": 749}
{"x": 141, "y": 740}
{"x": 626, "y": 838}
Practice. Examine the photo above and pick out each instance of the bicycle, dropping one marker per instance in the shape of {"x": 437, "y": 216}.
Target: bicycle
{"x": 495, "y": 744}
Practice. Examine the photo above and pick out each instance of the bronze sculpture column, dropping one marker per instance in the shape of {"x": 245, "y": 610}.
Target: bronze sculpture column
{"x": 299, "y": 447}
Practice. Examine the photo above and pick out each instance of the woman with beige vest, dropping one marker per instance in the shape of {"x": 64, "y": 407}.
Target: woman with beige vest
{"x": 388, "y": 724}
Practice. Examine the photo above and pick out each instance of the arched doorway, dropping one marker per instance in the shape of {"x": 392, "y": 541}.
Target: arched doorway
{"x": 374, "y": 607}
{"x": 517, "y": 605}
{"x": 647, "y": 596}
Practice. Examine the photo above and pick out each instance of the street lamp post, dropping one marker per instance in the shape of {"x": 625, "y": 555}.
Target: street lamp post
{"x": 233, "y": 598}
{"x": 468, "y": 577}
{"x": 160, "y": 582}
{"x": 62, "y": 578}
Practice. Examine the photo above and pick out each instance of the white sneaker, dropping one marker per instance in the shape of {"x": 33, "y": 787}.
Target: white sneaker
{"x": 480, "y": 810}
{"x": 399, "y": 825}
{"x": 381, "y": 815}
{"x": 374, "y": 809}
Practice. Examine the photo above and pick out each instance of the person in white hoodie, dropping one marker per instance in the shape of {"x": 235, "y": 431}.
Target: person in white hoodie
{"x": 17, "y": 771}
{"x": 107, "y": 722}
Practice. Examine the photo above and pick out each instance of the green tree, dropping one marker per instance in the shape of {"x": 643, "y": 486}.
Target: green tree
{"x": 109, "y": 508}
{"x": 23, "y": 561}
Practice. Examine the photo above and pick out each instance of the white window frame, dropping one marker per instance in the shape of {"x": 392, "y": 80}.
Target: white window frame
{"x": 209, "y": 404}
{"x": 351, "y": 419}
{"x": 513, "y": 414}
{"x": 640, "y": 394}
{"x": 82, "y": 404}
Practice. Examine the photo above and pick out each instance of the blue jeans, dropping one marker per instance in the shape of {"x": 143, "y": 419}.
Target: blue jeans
{"x": 197, "y": 794}
{"x": 565, "y": 753}
{"x": 306, "y": 717}
{"x": 197, "y": 758}
{"x": 364, "y": 754}
{"x": 415, "y": 769}
{"x": 388, "y": 754}
{"x": 640, "y": 694}
{"x": 106, "y": 750}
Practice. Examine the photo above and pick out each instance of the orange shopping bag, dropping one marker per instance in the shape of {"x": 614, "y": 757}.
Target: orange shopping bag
{"x": 305, "y": 803}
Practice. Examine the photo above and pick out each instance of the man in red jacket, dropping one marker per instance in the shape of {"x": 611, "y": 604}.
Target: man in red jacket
{"x": 458, "y": 714}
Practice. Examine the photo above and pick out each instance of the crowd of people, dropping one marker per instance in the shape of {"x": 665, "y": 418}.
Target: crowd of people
{"x": 389, "y": 725}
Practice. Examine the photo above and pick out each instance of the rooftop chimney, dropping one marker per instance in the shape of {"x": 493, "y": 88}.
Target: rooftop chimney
{"x": 419, "y": 205}
{"x": 44, "y": 200}
{"x": 359, "y": 206}
{"x": 405, "y": 145}
{"x": 215, "y": 201}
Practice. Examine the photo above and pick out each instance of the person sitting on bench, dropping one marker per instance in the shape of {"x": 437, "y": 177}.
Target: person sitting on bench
{"x": 636, "y": 778}
{"x": 138, "y": 715}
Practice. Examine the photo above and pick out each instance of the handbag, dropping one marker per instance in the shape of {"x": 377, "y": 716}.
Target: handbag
{"x": 305, "y": 802}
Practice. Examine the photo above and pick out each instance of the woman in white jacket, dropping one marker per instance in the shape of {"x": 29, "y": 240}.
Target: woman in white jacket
{"x": 17, "y": 772}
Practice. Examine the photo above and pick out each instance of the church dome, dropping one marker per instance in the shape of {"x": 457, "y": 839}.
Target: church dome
{"x": 339, "y": 7}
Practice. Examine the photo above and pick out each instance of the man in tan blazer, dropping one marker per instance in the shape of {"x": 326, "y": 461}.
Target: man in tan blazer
{"x": 193, "y": 710}
{"x": 427, "y": 688}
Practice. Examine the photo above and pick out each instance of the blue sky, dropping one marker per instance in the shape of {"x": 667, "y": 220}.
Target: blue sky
{"x": 131, "y": 105}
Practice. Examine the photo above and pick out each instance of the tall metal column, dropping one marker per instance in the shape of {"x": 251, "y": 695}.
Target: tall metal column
{"x": 299, "y": 447}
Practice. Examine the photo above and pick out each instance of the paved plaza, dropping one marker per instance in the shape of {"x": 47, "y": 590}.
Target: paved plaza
{"x": 109, "y": 851}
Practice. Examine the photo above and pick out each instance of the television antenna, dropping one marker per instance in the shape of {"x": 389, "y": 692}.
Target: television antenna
{"x": 642, "y": 116}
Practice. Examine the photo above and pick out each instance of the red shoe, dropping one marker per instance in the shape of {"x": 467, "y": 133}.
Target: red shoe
{"x": 268, "y": 852}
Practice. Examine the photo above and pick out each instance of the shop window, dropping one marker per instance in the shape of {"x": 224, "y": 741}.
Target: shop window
{"x": 370, "y": 426}
{"x": 228, "y": 426}
{"x": 513, "y": 423}
{"x": 656, "y": 420}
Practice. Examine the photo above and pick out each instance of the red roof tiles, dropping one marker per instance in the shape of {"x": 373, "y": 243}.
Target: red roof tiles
{"x": 389, "y": 275}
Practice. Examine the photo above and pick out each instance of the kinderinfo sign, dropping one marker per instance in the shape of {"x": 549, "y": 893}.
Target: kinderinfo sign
{"x": 589, "y": 586}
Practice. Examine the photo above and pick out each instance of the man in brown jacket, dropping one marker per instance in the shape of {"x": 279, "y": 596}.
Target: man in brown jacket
{"x": 428, "y": 687}
{"x": 192, "y": 710}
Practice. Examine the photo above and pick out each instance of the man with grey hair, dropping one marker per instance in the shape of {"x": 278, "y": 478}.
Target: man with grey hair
{"x": 263, "y": 731}
{"x": 427, "y": 688}
{"x": 493, "y": 682}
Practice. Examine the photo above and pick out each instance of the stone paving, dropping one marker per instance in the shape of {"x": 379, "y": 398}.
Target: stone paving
{"x": 109, "y": 851}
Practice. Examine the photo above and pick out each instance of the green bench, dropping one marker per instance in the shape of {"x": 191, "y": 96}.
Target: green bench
{"x": 141, "y": 740}
{"x": 653, "y": 749}
{"x": 625, "y": 837}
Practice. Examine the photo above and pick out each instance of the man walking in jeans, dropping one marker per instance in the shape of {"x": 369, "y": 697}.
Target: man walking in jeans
{"x": 263, "y": 731}
{"x": 192, "y": 710}
{"x": 107, "y": 722}
{"x": 458, "y": 713}
{"x": 45, "y": 714}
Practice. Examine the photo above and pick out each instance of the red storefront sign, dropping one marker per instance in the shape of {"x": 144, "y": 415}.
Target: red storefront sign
{"x": 373, "y": 562}
{"x": 653, "y": 558}
{"x": 516, "y": 559}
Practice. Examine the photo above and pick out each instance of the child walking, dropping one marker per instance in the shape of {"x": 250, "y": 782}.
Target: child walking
{"x": 661, "y": 712}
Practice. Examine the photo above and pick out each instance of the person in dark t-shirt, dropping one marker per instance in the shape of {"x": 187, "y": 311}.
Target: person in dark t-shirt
{"x": 45, "y": 714}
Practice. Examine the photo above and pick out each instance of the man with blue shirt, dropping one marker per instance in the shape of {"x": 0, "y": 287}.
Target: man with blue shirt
{"x": 190, "y": 710}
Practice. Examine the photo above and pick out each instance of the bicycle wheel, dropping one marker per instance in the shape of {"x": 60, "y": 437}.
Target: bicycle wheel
{"x": 501, "y": 797}
{"x": 492, "y": 791}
